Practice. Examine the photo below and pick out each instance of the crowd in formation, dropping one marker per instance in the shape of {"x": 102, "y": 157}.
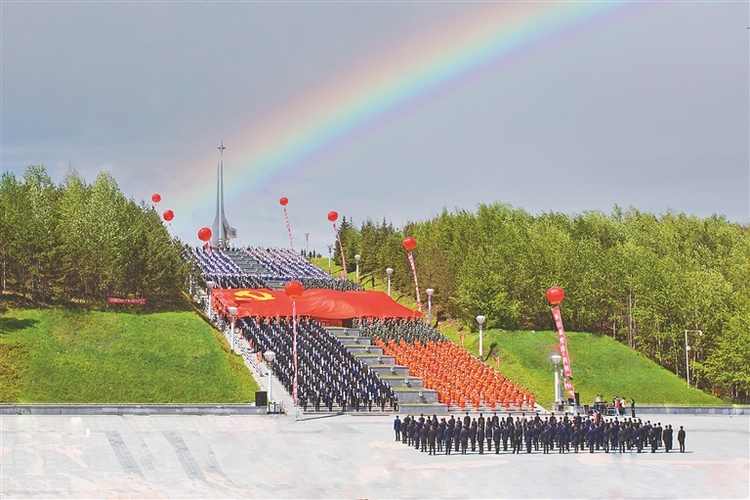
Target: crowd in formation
{"x": 328, "y": 374}
{"x": 459, "y": 377}
{"x": 273, "y": 264}
{"x": 397, "y": 329}
{"x": 282, "y": 263}
{"x": 535, "y": 434}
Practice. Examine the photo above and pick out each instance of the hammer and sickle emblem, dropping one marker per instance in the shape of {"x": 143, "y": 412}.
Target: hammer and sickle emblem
{"x": 250, "y": 295}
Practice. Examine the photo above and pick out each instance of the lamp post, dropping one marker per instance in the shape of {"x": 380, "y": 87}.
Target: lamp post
{"x": 330, "y": 247}
{"x": 556, "y": 358}
{"x": 209, "y": 286}
{"x": 232, "y": 313}
{"x": 480, "y": 320}
{"x": 269, "y": 355}
{"x": 357, "y": 257}
{"x": 429, "y": 291}
{"x": 307, "y": 248}
{"x": 687, "y": 354}
{"x": 389, "y": 271}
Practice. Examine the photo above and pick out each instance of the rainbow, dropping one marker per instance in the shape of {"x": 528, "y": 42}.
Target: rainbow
{"x": 290, "y": 138}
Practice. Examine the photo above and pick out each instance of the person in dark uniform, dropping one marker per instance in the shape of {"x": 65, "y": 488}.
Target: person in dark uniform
{"x": 397, "y": 428}
{"x": 431, "y": 439}
{"x": 632, "y": 408}
{"x": 497, "y": 434}
{"x": 506, "y": 434}
{"x": 457, "y": 434}
{"x": 423, "y": 435}
{"x": 681, "y": 439}
{"x": 447, "y": 436}
{"x": 517, "y": 438}
{"x": 528, "y": 437}
{"x": 473, "y": 436}
{"x": 480, "y": 438}
{"x": 464, "y": 440}
{"x": 667, "y": 438}
{"x": 488, "y": 433}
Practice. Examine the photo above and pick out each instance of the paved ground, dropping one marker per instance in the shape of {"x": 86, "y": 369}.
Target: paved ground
{"x": 340, "y": 457}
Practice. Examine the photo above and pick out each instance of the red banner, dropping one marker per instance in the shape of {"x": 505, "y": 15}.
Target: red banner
{"x": 118, "y": 300}
{"x": 563, "y": 346}
{"x": 316, "y": 302}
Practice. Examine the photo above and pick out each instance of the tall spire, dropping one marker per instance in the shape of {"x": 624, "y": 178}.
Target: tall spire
{"x": 221, "y": 231}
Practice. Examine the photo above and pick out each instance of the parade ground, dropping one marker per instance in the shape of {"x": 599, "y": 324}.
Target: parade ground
{"x": 342, "y": 456}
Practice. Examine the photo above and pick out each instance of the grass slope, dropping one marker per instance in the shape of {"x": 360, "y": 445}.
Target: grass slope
{"x": 64, "y": 356}
{"x": 599, "y": 365}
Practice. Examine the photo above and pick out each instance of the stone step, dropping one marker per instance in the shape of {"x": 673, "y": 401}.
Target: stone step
{"x": 376, "y": 359}
{"x": 344, "y": 331}
{"x": 405, "y": 381}
{"x": 365, "y": 349}
{"x": 399, "y": 370}
{"x": 354, "y": 340}
{"x": 419, "y": 395}
{"x": 422, "y": 408}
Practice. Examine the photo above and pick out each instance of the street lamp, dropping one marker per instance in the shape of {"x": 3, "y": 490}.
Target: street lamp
{"x": 429, "y": 291}
{"x": 307, "y": 248}
{"x": 556, "y": 358}
{"x": 389, "y": 271}
{"x": 480, "y": 320}
{"x": 232, "y": 313}
{"x": 357, "y": 257}
{"x": 687, "y": 352}
{"x": 209, "y": 286}
{"x": 269, "y": 355}
{"x": 330, "y": 247}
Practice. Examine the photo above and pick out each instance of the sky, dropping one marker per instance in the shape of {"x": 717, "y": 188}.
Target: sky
{"x": 392, "y": 110}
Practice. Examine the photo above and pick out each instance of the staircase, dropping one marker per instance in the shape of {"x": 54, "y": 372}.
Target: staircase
{"x": 412, "y": 396}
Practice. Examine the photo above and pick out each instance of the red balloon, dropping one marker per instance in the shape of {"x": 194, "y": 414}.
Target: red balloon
{"x": 333, "y": 215}
{"x": 555, "y": 295}
{"x": 409, "y": 243}
{"x": 168, "y": 215}
{"x": 294, "y": 289}
{"x": 156, "y": 197}
{"x": 204, "y": 234}
{"x": 283, "y": 201}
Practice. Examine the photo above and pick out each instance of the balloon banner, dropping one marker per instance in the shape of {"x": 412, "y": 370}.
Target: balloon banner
{"x": 563, "y": 346}
{"x": 288, "y": 228}
{"x": 416, "y": 285}
{"x": 283, "y": 201}
{"x": 343, "y": 262}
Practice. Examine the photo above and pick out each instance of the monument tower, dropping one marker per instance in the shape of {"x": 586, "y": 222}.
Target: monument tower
{"x": 221, "y": 231}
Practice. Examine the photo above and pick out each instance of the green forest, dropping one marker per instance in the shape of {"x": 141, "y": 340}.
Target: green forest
{"x": 639, "y": 278}
{"x": 77, "y": 243}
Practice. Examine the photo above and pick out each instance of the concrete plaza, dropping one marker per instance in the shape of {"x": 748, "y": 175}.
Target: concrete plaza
{"x": 345, "y": 456}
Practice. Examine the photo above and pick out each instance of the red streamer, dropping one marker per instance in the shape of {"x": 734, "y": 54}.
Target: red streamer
{"x": 341, "y": 247}
{"x": 416, "y": 285}
{"x": 288, "y": 228}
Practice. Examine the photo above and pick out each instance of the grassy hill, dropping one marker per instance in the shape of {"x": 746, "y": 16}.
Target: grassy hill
{"x": 599, "y": 365}
{"x": 64, "y": 356}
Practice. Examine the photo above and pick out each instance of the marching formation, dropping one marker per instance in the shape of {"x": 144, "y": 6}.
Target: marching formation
{"x": 535, "y": 434}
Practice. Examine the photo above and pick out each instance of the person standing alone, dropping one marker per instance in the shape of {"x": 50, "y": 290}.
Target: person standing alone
{"x": 681, "y": 439}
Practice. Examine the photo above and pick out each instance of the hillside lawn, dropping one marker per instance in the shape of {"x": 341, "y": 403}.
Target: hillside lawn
{"x": 599, "y": 365}
{"x": 73, "y": 356}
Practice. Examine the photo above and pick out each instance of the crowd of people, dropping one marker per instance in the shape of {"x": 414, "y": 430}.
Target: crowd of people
{"x": 397, "y": 329}
{"x": 459, "y": 377}
{"x": 327, "y": 373}
{"x": 285, "y": 263}
{"x": 272, "y": 264}
{"x": 535, "y": 434}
